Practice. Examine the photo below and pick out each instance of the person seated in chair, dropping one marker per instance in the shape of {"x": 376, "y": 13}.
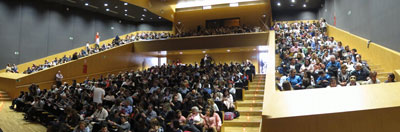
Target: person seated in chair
{"x": 360, "y": 73}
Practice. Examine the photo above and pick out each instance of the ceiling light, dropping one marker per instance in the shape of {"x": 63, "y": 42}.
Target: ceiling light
{"x": 293, "y": 1}
{"x": 126, "y": 14}
{"x": 107, "y": 9}
{"x": 86, "y": 4}
{"x": 105, "y": 4}
{"x": 180, "y": 52}
{"x": 279, "y": 3}
{"x": 141, "y": 19}
{"x": 145, "y": 10}
{"x": 207, "y": 7}
{"x": 228, "y": 50}
{"x": 234, "y": 4}
{"x": 126, "y": 10}
{"x": 143, "y": 15}
{"x": 304, "y": 5}
{"x": 159, "y": 17}
{"x": 125, "y": 3}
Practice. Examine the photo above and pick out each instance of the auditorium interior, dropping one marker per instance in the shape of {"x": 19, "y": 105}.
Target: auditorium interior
{"x": 199, "y": 66}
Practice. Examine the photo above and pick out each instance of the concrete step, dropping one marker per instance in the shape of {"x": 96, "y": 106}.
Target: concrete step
{"x": 244, "y": 121}
{"x": 258, "y": 108}
{"x": 251, "y": 113}
{"x": 254, "y": 91}
{"x": 250, "y": 104}
{"x": 5, "y": 99}
{"x": 254, "y": 97}
{"x": 256, "y": 87}
{"x": 240, "y": 129}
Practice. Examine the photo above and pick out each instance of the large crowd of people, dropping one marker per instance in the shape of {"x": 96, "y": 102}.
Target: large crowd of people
{"x": 142, "y": 36}
{"x": 312, "y": 59}
{"x": 172, "y": 98}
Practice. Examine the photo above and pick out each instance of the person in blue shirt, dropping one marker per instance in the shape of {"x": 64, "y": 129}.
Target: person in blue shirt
{"x": 333, "y": 66}
{"x": 294, "y": 79}
{"x": 323, "y": 80}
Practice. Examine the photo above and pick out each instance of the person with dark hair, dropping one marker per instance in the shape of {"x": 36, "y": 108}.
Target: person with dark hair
{"x": 294, "y": 79}
{"x": 333, "y": 83}
{"x": 323, "y": 80}
{"x": 390, "y": 78}
{"x": 286, "y": 86}
{"x": 212, "y": 121}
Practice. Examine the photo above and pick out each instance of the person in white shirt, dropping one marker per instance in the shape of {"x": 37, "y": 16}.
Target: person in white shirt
{"x": 100, "y": 114}
{"x": 59, "y": 78}
{"x": 353, "y": 81}
{"x": 372, "y": 78}
{"x": 98, "y": 94}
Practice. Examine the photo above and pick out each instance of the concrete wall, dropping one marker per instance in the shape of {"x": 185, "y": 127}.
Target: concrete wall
{"x": 290, "y": 15}
{"x": 35, "y": 29}
{"x": 376, "y": 20}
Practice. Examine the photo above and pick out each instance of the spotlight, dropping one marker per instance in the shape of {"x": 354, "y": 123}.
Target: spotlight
{"x": 279, "y": 3}
{"x": 143, "y": 15}
{"x": 304, "y": 5}
{"x": 126, "y": 10}
{"x": 125, "y": 3}
{"x": 107, "y": 9}
{"x": 105, "y": 4}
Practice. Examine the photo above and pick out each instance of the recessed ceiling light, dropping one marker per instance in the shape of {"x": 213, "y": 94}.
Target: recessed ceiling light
{"x": 293, "y": 1}
{"x": 304, "y": 5}
{"x": 105, "y": 4}
{"x": 145, "y": 10}
{"x": 141, "y": 19}
{"x": 86, "y": 4}
{"x": 279, "y": 3}
{"x": 180, "y": 52}
{"x": 107, "y": 9}
{"x": 125, "y": 3}
{"x": 228, "y": 50}
{"x": 126, "y": 10}
{"x": 126, "y": 14}
{"x": 159, "y": 17}
{"x": 143, "y": 15}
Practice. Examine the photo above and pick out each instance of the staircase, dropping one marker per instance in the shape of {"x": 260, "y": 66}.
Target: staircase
{"x": 250, "y": 108}
{"x": 382, "y": 76}
{"x": 4, "y": 96}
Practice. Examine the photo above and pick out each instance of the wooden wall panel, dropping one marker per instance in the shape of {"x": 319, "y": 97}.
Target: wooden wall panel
{"x": 203, "y": 42}
{"x": 218, "y": 57}
{"x": 249, "y": 15}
